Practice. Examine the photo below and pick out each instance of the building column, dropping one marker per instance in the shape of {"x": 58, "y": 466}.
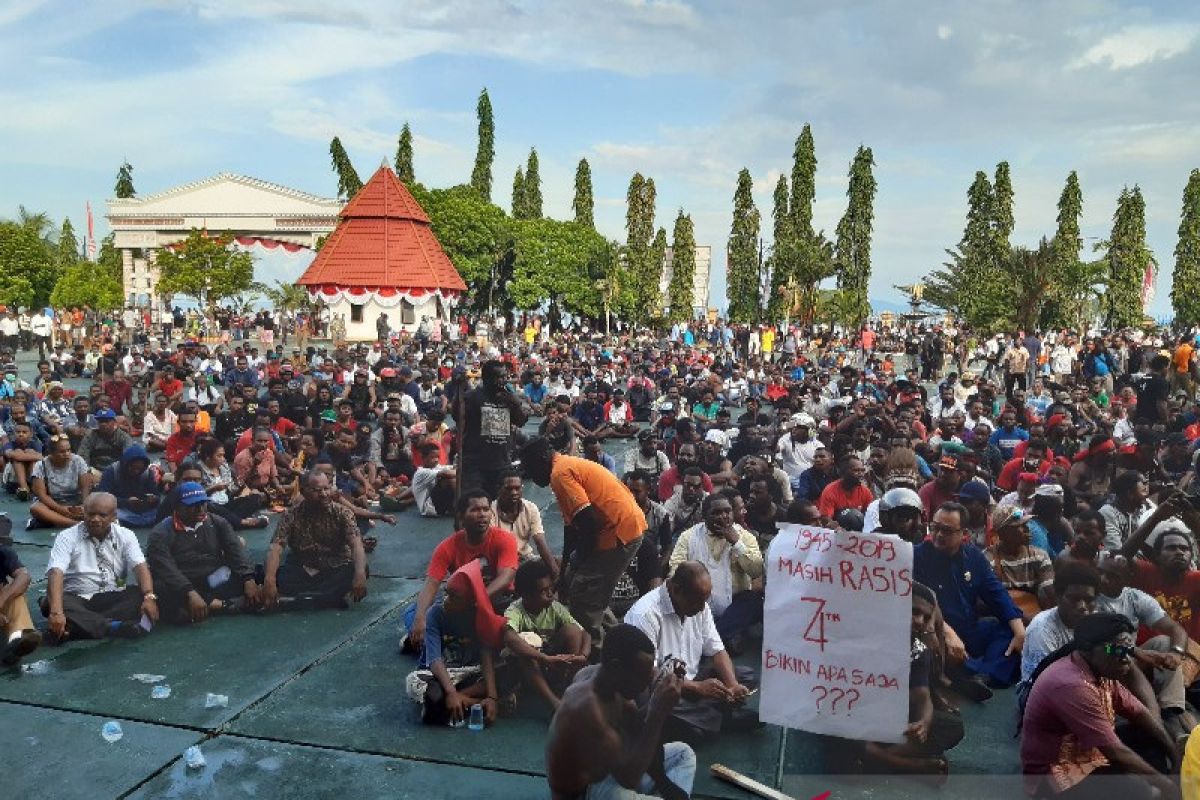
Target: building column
{"x": 128, "y": 282}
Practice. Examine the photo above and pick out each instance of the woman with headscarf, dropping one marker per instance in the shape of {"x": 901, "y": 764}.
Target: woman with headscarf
{"x": 1069, "y": 737}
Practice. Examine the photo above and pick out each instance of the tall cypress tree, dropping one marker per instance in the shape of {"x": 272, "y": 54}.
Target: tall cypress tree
{"x": 518, "y": 195}
{"x": 124, "y": 188}
{"x": 1128, "y": 256}
{"x": 1185, "y": 280}
{"x": 854, "y": 237}
{"x": 658, "y": 259}
{"x": 584, "y": 205}
{"x": 1069, "y": 286}
{"x": 782, "y": 252}
{"x": 639, "y": 260}
{"x": 804, "y": 183}
{"x": 404, "y": 156}
{"x": 1002, "y": 207}
{"x": 481, "y": 175}
{"x": 742, "y": 271}
{"x": 68, "y": 245}
{"x": 533, "y": 187}
{"x": 349, "y": 184}
{"x": 680, "y": 293}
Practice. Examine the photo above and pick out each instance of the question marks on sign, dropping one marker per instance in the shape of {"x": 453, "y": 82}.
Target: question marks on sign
{"x": 841, "y": 693}
{"x": 836, "y": 696}
{"x": 824, "y": 693}
{"x": 850, "y": 703}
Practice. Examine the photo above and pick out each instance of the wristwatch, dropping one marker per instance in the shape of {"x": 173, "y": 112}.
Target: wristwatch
{"x": 150, "y": 596}
{"x": 1177, "y": 649}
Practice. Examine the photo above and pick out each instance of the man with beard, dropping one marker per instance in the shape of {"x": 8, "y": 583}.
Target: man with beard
{"x": 325, "y": 556}
{"x": 847, "y": 492}
{"x": 686, "y": 459}
{"x": 597, "y": 739}
{"x": 490, "y": 413}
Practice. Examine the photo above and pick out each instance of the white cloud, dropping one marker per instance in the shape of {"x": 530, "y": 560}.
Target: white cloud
{"x": 944, "y": 31}
{"x": 1136, "y": 45}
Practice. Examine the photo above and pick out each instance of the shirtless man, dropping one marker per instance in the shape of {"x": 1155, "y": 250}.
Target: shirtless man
{"x": 597, "y": 740}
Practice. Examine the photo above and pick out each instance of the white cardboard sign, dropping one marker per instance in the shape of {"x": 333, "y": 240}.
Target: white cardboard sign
{"x": 836, "y": 636}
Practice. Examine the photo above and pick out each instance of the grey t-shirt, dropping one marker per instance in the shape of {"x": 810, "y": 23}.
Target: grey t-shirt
{"x": 1132, "y": 604}
{"x": 62, "y": 484}
{"x": 1046, "y": 634}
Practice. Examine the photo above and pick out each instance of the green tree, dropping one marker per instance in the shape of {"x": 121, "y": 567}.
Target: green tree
{"x": 1185, "y": 280}
{"x": 91, "y": 285}
{"x": 853, "y": 249}
{"x": 404, "y": 156}
{"x": 742, "y": 289}
{"x": 518, "y": 195}
{"x": 206, "y": 268}
{"x": 124, "y": 187}
{"x": 1128, "y": 258}
{"x": 1002, "y": 208}
{"x": 29, "y": 265}
{"x": 533, "y": 187}
{"x": 640, "y": 291}
{"x": 783, "y": 252}
{"x": 478, "y": 238}
{"x": 283, "y": 296}
{"x": 349, "y": 184}
{"x": 680, "y": 300}
{"x": 584, "y": 205}
{"x": 68, "y": 252}
{"x": 658, "y": 256}
{"x": 557, "y": 265}
{"x": 804, "y": 183}
{"x": 481, "y": 175}
{"x": 1076, "y": 283}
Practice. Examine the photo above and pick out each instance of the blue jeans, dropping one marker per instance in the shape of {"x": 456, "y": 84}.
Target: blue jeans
{"x": 679, "y": 763}
{"x": 986, "y": 643}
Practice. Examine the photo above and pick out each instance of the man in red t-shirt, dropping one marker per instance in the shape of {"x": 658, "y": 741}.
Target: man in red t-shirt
{"x": 1171, "y": 581}
{"x": 673, "y": 476}
{"x": 848, "y": 492}
{"x": 479, "y": 539}
{"x": 170, "y": 386}
{"x": 1032, "y": 460}
{"x": 182, "y": 442}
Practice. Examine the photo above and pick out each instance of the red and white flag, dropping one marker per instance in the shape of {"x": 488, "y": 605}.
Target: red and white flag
{"x": 90, "y": 244}
{"x": 1147, "y": 286}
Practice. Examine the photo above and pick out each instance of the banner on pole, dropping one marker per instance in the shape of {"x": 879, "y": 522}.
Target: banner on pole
{"x": 836, "y": 635}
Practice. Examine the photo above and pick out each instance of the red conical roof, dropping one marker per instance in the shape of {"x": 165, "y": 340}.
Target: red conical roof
{"x": 383, "y": 241}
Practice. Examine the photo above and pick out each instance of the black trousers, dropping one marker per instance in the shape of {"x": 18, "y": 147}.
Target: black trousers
{"x": 89, "y": 619}
{"x": 175, "y": 607}
{"x": 327, "y": 588}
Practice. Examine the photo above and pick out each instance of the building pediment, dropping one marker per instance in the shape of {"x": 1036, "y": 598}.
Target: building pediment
{"x": 224, "y": 195}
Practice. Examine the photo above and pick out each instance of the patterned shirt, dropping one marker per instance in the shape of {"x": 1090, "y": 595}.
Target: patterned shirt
{"x": 1029, "y": 570}
{"x": 318, "y": 536}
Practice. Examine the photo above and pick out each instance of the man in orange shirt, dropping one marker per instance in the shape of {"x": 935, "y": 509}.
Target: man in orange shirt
{"x": 1181, "y": 361}
{"x": 849, "y": 492}
{"x": 604, "y": 529}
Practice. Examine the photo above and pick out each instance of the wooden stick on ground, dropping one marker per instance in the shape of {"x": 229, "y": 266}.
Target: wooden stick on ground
{"x": 745, "y": 782}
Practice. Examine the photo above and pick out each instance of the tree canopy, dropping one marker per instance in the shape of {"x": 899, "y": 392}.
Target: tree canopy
{"x": 743, "y": 282}
{"x": 680, "y": 292}
{"x": 205, "y": 267}
{"x": 349, "y": 184}
{"x": 404, "y": 156}
{"x": 584, "y": 205}
{"x": 481, "y": 174}
{"x": 124, "y": 186}
{"x": 1185, "y": 280}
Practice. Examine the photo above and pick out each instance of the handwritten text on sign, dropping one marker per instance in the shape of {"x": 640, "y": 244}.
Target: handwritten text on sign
{"x": 836, "y": 633}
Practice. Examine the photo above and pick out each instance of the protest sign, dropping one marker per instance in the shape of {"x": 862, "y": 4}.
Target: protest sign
{"x": 836, "y": 635}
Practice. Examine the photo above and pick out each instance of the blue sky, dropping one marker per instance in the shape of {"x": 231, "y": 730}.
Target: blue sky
{"x": 686, "y": 93}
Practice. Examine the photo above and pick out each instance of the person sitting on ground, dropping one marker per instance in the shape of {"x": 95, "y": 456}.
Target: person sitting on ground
{"x": 618, "y": 418}
{"x": 86, "y": 597}
{"x": 19, "y": 455}
{"x": 1075, "y": 589}
{"x": 182, "y": 443}
{"x": 102, "y": 446}
{"x": 1129, "y": 507}
{"x": 433, "y": 484}
{"x": 61, "y": 482}
{"x": 477, "y": 539}
{"x": 20, "y": 638}
{"x": 1026, "y": 571}
{"x": 1168, "y": 576}
{"x": 848, "y": 492}
{"x": 812, "y": 481}
{"x": 199, "y": 564}
{"x": 1088, "y": 527}
{"x": 730, "y": 554}
{"x": 136, "y": 485}
{"x": 669, "y": 481}
{"x": 1069, "y": 744}
{"x": 238, "y": 504}
{"x": 677, "y": 618}
{"x": 325, "y": 556}
{"x": 598, "y": 742}
{"x": 685, "y": 507}
{"x": 594, "y": 451}
{"x": 548, "y": 627}
{"x": 255, "y": 467}
{"x": 963, "y": 580}
{"x": 1165, "y": 668}
{"x": 931, "y": 731}
{"x": 649, "y": 564}
{"x": 901, "y": 513}
{"x": 647, "y": 458}
{"x": 523, "y": 519}
{"x": 158, "y": 424}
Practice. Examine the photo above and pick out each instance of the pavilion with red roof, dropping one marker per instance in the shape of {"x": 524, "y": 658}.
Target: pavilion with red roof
{"x": 383, "y": 259}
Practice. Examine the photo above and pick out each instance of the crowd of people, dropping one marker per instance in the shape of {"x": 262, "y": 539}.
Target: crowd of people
{"x": 1046, "y": 482}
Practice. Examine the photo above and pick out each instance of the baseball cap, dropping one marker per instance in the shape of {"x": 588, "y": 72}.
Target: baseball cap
{"x": 974, "y": 491}
{"x": 387, "y": 372}
{"x": 900, "y": 498}
{"x": 191, "y": 493}
{"x": 1007, "y": 516}
{"x": 329, "y": 415}
{"x": 105, "y": 413}
{"x": 644, "y": 434}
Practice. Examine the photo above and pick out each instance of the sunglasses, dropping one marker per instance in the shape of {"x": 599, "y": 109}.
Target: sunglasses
{"x": 1119, "y": 650}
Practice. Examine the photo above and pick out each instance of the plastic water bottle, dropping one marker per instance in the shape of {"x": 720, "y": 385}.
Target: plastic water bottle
{"x": 194, "y": 758}
{"x": 111, "y": 732}
{"x": 476, "y": 723}
{"x": 160, "y": 692}
{"x": 216, "y": 700}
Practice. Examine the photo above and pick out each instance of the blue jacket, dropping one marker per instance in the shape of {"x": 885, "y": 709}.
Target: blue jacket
{"x": 962, "y": 582}
{"x": 117, "y": 481}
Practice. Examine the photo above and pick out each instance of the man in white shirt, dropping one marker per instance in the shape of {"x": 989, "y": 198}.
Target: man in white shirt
{"x": 9, "y": 332}
{"x": 86, "y": 594}
{"x": 677, "y": 619}
{"x": 796, "y": 450}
